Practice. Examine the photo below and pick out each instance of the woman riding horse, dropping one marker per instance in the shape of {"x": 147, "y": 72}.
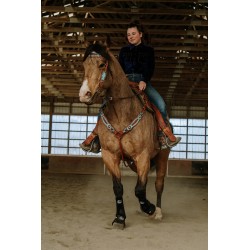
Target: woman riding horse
{"x": 125, "y": 129}
{"x": 138, "y": 62}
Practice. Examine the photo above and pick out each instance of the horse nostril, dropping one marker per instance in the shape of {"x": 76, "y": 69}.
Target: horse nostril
{"x": 88, "y": 94}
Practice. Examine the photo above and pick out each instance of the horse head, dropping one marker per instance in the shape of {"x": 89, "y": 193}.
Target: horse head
{"x": 95, "y": 81}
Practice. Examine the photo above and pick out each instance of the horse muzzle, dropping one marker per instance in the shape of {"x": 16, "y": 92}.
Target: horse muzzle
{"x": 86, "y": 97}
{"x": 89, "y": 99}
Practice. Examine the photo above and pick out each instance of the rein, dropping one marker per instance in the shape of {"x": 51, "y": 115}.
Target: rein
{"x": 111, "y": 98}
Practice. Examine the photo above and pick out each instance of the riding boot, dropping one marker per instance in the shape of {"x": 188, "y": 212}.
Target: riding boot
{"x": 92, "y": 143}
{"x": 166, "y": 137}
{"x": 171, "y": 140}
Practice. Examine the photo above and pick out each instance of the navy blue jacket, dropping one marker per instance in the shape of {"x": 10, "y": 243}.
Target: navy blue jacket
{"x": 138, "y": 59}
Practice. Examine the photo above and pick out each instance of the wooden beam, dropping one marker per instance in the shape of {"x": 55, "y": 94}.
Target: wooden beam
{"x": 122, "y": 31}
{"x": 165, "y": 48}
{"x": 114, "y": 39}
{"x": 103, "y": 21}
{"x": 157, "y": 54}
{"x": 132, "y": 11}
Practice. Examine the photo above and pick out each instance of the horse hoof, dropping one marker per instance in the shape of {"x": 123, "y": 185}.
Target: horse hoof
{"x": 147, "y": 207}
{"x": 120, "y": 220}
{"x": 158, "y": 214}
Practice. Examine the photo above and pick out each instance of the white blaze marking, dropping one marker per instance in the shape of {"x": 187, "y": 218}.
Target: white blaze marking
{"x": 84, "y": 89}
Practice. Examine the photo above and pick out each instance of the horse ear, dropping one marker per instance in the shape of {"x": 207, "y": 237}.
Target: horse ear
{"x": 107, "y": 42}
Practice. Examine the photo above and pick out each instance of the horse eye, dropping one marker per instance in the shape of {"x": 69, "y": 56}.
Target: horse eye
{"x": 102, "y": 65}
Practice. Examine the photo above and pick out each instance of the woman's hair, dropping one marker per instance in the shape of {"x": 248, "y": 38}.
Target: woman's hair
{"x": 136, "y": 24}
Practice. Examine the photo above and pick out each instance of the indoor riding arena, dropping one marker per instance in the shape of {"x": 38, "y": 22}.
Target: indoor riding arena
{"x": 78, "y": 204}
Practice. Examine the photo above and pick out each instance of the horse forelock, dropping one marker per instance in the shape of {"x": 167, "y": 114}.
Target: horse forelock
{"x": 96, "y": 49}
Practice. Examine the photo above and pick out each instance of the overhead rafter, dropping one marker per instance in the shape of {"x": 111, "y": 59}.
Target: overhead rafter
{"x": 177, "y": 29}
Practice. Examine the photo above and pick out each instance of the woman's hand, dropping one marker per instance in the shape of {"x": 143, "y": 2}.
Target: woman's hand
{"x": 142, "y": 85}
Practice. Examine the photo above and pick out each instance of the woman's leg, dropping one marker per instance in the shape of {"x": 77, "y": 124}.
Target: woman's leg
{"x": 153, "y": 96}
{"x": 156, "y": 99}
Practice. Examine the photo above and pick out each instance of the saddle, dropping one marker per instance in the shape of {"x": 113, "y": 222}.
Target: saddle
{"x": 149, "y": 106}
{"x": 142, "y": 97}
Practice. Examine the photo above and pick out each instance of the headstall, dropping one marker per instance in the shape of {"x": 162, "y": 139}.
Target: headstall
{"x": 102, "y": 78}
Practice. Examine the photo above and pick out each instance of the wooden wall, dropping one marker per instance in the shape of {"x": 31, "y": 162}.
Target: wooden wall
{"x": 94, "y": 165}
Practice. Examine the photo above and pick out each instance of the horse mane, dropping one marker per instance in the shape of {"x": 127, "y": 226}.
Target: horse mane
{"x": 99, "y": 49}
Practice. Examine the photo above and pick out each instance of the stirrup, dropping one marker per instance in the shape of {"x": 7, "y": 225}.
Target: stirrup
{"x": 162, "y": 140}
{"x": 165, "y": 143}
{"x": 171, "y": 144}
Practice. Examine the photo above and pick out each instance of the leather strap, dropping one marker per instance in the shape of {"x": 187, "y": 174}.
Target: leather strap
{"x": 164, "y": 127}
{"x": 93, "y": 135}
{"x": 90, "y": 138}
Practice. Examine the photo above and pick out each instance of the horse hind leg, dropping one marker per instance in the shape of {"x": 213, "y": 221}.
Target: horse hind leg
{"x": 158, "y": 212}
{"x": 161, "y": 168}
{"x": 159, "y": 186}
{"x": 120, "y": 211}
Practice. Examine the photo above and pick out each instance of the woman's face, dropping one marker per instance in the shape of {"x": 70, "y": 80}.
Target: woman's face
{"x": 134, "y": 36}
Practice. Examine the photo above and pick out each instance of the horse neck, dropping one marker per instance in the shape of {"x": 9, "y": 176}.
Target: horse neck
{"x": 124, "y": 100}
{"x": 120, "y": 84}
{"x": 123, "y": 108}
{"x": 120, "y": 88}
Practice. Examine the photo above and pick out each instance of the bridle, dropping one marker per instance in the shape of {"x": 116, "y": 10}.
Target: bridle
{"x": 103, "y": 77}
{"x": 100, "y": 87}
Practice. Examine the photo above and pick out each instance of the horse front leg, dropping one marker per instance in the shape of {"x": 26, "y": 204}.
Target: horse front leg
{"x": 120, "y": 211}
{"x": 161, "y": 168}
{"x": 140, "y": 188}
{"x": 140, "y": 193}
{"x": 112, "y": 163}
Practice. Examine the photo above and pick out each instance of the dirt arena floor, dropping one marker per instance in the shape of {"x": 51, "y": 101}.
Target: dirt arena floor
{"x": 77, "y": 212}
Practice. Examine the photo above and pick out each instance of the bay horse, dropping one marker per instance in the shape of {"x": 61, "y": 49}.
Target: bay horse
{"x": 126, "y": 130}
